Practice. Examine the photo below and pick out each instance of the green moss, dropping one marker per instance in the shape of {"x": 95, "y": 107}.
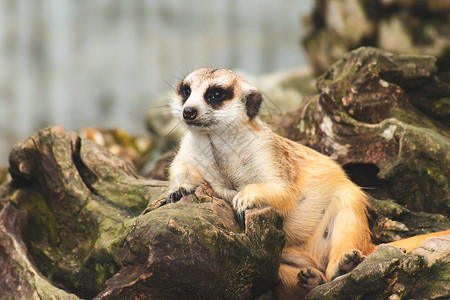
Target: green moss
{"x": 183, "y": 236}
{"x": 40, "y": 213}
{"x": 74, "y": 258}
{"x": 412, "y": 117}
{"x": 101, "y": 274}
{"x": 416, "y": 222}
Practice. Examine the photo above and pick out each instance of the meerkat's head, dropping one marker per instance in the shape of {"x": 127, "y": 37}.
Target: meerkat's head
{"x": 209, "y": 99}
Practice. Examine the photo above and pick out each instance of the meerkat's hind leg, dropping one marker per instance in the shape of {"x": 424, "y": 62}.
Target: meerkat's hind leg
{"x": 349, "y": 238}
{"x": 349, "y": 261}
{"x": 299, "y": 272}
{"x": 288, "y": 288}
{"x": 310, "y": 277}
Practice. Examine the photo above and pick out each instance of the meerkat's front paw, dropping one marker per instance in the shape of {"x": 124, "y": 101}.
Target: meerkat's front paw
{"x": 242, "y": 202}
{"x": 176, "y": 195}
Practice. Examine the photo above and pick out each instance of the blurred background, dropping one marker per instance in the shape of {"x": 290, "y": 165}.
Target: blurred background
{"x": 107, "y": 63}
{"x": 102, "y": 63}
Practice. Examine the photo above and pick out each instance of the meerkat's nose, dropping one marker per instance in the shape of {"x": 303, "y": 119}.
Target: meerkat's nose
{"x": 189, "y": 113}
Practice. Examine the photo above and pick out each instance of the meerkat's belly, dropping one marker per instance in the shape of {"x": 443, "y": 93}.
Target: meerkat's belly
{"x": 310, "y": 216}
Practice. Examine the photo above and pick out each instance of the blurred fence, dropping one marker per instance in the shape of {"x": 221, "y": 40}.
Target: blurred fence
{"x": 99, "y": 63}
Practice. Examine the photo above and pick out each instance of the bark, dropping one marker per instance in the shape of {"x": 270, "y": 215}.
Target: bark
{"x": 79, "y": 201}
{"x": 388, "y": 273}
{"x": 195, "y": 249}
{"x": 336, "y": 27}
{"x": 363, "y": 117}
{"x": 78, "y": 222}
{"x": 74, "y": 215}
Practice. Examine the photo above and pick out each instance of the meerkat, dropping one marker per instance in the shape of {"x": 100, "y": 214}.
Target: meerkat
{"x": 247, "y": 164}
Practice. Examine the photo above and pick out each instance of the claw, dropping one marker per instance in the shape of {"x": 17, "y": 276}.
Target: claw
{"x": 176, "y": 196}
{"x": 241, "y": 218}
{"x": 169, "y": 198}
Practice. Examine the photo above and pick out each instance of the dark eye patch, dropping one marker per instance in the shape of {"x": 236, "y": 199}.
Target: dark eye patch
{"x": 184, "y": 91}
{"x": 217, "y": 95}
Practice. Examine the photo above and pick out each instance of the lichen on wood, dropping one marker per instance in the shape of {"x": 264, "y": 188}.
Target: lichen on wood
{"x": 80, "y": 200}
{"x": 84, "y": 215}
{"x": 388, "y": 273}
{"x": 363, "y": 115}
{"x": 196, "y": 249}
{"x": 78, "y": 222}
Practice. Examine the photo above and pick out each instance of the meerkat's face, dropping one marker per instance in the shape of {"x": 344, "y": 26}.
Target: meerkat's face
{"x": 210, "y": 99}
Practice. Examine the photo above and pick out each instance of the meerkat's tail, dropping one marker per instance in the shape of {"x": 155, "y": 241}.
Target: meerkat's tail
{"x": 414, "y": 242}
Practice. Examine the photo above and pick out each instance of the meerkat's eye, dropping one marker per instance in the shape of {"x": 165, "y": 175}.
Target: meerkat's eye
{"x": 217, "y": 94}
{"x": 185, "y": 91}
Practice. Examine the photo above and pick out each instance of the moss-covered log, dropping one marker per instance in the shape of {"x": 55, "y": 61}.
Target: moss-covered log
{"x": 388, "y": 273}
{"x": 363, "y": 117}
{"x": 194, "y": 249}
{"x": 74, "y": 216}
{"x": 80, "y": 202}
{"x": 72, "y": 210}
{"x": 335, "y": 27}
{"x": 20, "y": 278}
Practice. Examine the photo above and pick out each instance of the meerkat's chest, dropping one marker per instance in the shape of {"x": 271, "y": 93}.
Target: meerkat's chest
{"x": 225, "y": 163}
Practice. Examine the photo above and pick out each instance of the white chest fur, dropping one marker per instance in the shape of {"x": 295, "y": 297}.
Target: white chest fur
{"x": 228, "y": 160}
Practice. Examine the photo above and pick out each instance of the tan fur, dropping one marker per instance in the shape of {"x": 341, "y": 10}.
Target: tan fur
{"x": 250, "y": 166}
{"x": 413, "y": 242}
{"x": 254, "y": 126}
{"x": 289, "y": 289}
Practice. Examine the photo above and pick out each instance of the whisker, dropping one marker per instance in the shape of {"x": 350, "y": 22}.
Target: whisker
{"x": 166, "y": 135}
{"x": 367, "y": 187}
{"x": 159, "y": 106}
{"x": 170, "y": 85}
{"x": 171, "y": 130}
{"x": 162, "y": 108}
{"x": 180, "y": 75}
{"x": 270, "y": 106}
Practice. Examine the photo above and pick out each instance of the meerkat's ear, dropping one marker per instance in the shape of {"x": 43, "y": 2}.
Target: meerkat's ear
{"x": 253, "y": 103}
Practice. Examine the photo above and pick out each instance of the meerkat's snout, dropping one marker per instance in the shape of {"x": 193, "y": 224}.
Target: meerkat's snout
{"x": 189, "y": 113}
